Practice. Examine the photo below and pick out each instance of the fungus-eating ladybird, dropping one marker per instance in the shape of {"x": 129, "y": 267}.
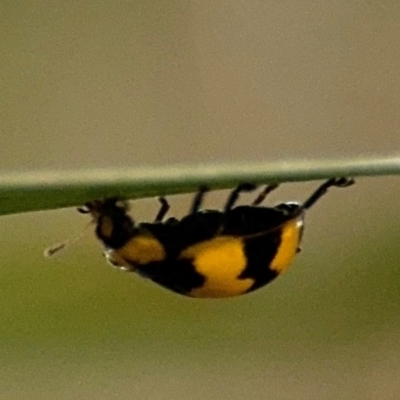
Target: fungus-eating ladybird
{"x": 208, "y": 253}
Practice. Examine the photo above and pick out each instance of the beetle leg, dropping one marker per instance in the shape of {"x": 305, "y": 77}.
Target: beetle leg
{"x": 261, "y": 197}
{"x": 198, "y": 199}
{"x": 338, "y": 182}
{"x": 163, "y": 209}
{"x": 233, "y": 197}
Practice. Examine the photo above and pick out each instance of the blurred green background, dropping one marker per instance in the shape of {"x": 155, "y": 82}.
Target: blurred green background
{"x": 89, "y": 84}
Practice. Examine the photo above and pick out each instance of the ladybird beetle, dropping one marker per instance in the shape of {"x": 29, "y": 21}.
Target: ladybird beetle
{"x": 208, "y": 253}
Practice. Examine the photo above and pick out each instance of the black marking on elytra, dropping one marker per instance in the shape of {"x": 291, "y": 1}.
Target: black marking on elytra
{"x": 177, "y": 275}
{"x": 260, "y": 251}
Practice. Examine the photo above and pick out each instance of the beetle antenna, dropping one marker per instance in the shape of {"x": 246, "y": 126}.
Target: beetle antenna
{"x": 57, "y": 247}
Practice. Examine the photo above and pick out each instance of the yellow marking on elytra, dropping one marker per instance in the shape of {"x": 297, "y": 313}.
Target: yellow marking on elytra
{"x": 290, "y": 239}
{"x": 220, "y": 260}
{"x": 141, "y": 250}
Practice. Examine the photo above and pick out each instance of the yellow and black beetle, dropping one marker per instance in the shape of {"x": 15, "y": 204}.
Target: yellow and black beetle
{"x": 208, "y": 253}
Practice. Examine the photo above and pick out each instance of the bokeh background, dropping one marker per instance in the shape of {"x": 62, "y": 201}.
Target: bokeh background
{"x": 110, "y": 84}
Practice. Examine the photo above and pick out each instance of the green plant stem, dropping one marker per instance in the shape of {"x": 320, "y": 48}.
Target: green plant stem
{"x": 43, "y": 190}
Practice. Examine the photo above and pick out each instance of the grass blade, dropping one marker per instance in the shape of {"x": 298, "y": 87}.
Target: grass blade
{"x": 43, "y": 190}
